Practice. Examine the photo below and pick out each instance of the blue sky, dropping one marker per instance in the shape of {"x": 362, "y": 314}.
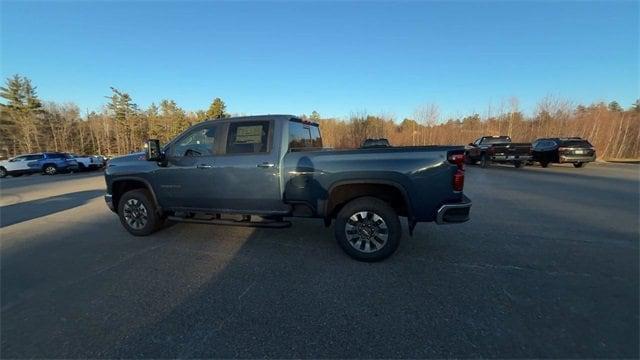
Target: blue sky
{"x": 334, "y": 57}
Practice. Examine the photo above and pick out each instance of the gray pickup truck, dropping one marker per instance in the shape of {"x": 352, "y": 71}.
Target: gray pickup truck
{"x": 259, "y": 170}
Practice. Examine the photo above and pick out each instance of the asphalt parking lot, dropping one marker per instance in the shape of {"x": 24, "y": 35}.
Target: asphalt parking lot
{"x": 547, "y": 267}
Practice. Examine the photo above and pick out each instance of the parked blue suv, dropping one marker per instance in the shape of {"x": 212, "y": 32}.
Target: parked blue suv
{"x": 52, "y": 163}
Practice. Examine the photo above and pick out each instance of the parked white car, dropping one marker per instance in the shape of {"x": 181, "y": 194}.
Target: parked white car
{"x": 18, "y": 165}
{"x": 88, "y": 162}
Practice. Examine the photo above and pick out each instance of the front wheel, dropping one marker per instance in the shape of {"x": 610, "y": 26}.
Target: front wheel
{"x": 517, "y": 164}
{"x": 484, "y": 161}
{"x": 368, "y": 229}
{"x": 50, "y": 170}
{"x": 544, "y": 164}
{"x": 138, "y": 213}
{"x": 3, "y": 172}
{"x": 578, "y": 165}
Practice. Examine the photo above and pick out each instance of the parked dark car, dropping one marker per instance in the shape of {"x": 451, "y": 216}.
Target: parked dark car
{"x": 263, "y": 169}
{"x": 574, "y": 150}
{"x": 498, "y": 149}
{"x": 375, "y": 143}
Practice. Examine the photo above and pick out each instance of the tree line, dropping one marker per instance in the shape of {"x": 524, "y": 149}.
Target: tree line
{"x": 28, "y": 124}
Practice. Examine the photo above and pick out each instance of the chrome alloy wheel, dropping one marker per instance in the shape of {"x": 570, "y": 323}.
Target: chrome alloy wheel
{"x": 135, "y": 214}
{"x": 366, "y": 231}
{"x": 50, "y": 170}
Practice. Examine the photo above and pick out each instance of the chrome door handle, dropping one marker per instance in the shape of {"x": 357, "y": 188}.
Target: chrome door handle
{"x": 266, "y": 165}
{"x": 204, "y": 166}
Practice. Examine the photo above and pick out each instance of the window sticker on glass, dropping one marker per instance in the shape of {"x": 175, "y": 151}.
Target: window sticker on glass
{"x": 249, "y": 134}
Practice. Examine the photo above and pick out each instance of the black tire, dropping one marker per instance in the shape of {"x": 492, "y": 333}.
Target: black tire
{"x": 138, "y": 213}
{"x": 49, "y": 169}
{"x": 375, "y": 247}
{"x": 81, "y": 167}
{"x": 578, "y": 165}
{"x": 468, "y": 160}
{"x": 544, "y": 164}
{"x": 3, "y": 172}
{"x": 517, "y": 164}
{"x": 484, "y": 161}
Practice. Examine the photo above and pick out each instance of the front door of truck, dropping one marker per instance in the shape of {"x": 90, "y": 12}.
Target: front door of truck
{"x": 187, "y": 179}
{"x": 247, "y": 174}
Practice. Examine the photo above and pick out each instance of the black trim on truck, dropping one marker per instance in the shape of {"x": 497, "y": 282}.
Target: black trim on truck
{"x": 454, "y": 212}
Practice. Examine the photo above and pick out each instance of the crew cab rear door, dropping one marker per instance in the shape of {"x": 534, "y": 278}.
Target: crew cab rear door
{"x": 247, "y": 173}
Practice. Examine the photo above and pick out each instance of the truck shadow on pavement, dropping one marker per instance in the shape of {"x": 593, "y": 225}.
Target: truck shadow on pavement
{"x": 28, "y": 210}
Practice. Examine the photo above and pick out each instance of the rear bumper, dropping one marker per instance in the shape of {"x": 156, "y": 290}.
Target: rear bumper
{"x": 511, "y": 157}
{"x": 454, "y": 212}
{"x": 577, "y": 158}
{"x": 108, "y": 198}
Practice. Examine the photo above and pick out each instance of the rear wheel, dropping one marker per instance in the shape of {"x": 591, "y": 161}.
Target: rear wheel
{"x": 517, "y": 164}
{"x": 484, "y": 161}
{"x": 368, "y": 229}
{"x": 3, "y": 172}
{"x": 50, "y": 170}
{"x": 578, "y": 165}
{"x": 544, "y": 164}
{"x": 138, "y": 213}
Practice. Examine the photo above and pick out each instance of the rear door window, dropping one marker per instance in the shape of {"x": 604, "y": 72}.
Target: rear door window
{"x": 248, "y": 137}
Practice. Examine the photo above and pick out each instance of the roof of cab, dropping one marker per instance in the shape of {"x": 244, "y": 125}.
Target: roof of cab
{"x": 276, "y": 117}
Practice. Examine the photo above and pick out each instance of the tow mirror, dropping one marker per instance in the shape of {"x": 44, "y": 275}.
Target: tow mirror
{"x": 153, "y": 151}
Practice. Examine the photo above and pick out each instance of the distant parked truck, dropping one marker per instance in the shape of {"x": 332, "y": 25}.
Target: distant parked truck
{"x": 498, "y": 149}
{"x": 88, "y": 162}
{"x": 574, "y": 150}
{"x": 49, "y": 163}
{"x": 375, "y": 143}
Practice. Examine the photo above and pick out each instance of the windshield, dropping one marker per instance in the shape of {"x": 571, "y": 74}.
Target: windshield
{"x": 576, "y": 143}
{"x": 495, "y": 140}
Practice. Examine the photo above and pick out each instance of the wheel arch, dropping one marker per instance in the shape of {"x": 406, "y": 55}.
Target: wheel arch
{"x": 124, "y": 184}
{"x": 341, "y": 192}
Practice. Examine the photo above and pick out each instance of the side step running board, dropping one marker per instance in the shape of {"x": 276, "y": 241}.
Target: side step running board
{"x": 260, "y": 224}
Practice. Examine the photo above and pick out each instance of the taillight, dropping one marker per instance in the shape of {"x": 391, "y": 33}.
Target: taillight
{"x": 457, "y": 159}
{"x": 458, "y": 180}
{"x": 458, "y": 176}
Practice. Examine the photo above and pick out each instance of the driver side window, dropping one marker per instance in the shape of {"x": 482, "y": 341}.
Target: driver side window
{"x": 198, "y": 142}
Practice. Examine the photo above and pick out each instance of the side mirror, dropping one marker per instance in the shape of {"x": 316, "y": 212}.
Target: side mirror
{"x": 472, "y": 144}
{"x": 153, "y": 151}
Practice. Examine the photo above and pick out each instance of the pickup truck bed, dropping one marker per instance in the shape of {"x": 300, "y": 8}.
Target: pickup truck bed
{"x": 421, "y": 171}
